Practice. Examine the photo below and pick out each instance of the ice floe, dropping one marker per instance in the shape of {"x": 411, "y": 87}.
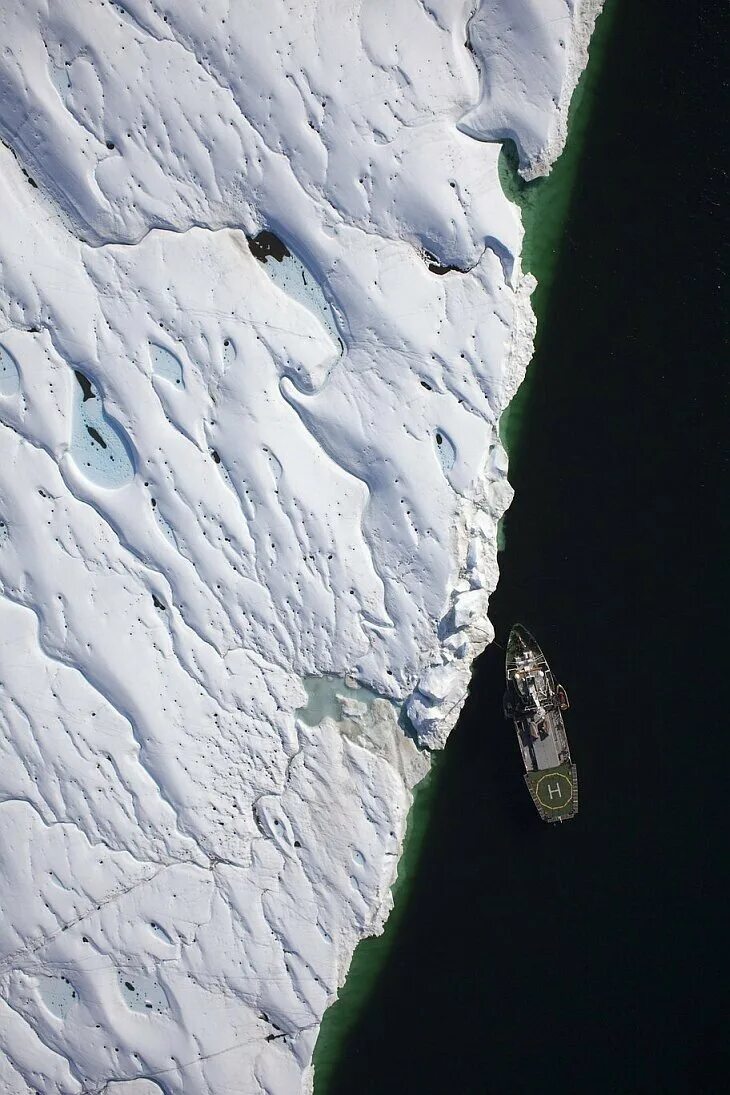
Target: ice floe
{"x": 248, "y": 502}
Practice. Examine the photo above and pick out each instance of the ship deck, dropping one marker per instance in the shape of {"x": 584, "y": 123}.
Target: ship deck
{"x": 546, "y": 753}
{"x": 549, "y": 751}
{"x": 554, "y": 792}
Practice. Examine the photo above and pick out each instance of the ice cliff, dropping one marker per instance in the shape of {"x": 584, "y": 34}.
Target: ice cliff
{"x": 261, "y": 308}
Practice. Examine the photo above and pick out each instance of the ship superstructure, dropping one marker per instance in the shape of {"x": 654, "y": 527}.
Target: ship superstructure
{"x": 535, "y": 703}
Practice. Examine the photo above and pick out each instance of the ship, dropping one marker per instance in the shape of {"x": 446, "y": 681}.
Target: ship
{"x": 535, "y": 703}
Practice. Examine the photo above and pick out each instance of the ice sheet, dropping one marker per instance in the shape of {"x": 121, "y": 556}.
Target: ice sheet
{"x": 246, "y": 494}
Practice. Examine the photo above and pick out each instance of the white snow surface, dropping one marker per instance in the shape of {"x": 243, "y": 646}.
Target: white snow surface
{"x": 186, "y": 863}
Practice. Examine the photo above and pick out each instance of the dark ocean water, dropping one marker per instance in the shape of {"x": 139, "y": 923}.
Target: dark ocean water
{"x": 592, "y": 957}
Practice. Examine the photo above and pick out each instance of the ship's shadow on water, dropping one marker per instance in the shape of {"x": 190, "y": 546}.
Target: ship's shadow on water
{"x": 490, "y": 742}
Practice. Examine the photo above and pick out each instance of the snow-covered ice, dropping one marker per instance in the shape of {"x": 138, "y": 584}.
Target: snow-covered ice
{"x": 227, "y": 475}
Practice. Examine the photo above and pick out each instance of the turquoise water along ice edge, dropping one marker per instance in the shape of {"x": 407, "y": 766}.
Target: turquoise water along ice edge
{"x": 544, "y": 205}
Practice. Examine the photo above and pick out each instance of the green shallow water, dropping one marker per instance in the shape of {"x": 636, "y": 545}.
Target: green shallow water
{"x": 544, "y": 206}
{"x": 371, "y": 955}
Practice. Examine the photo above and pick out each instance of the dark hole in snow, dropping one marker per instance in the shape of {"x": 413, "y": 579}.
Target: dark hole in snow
{"x": 267, "y": 245}
{"x": 439, "y": 439}
{"x": 86, "y": 386}
{"x": 215, "y": 456}
{"x": 110, "y": 144}
{"x": 437, "y": 267}
{"x": 157, "y": 602}
{"x": 129, "y": 985}
{"x": 426, "y": 386}
{"x": 96, "y": 436}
